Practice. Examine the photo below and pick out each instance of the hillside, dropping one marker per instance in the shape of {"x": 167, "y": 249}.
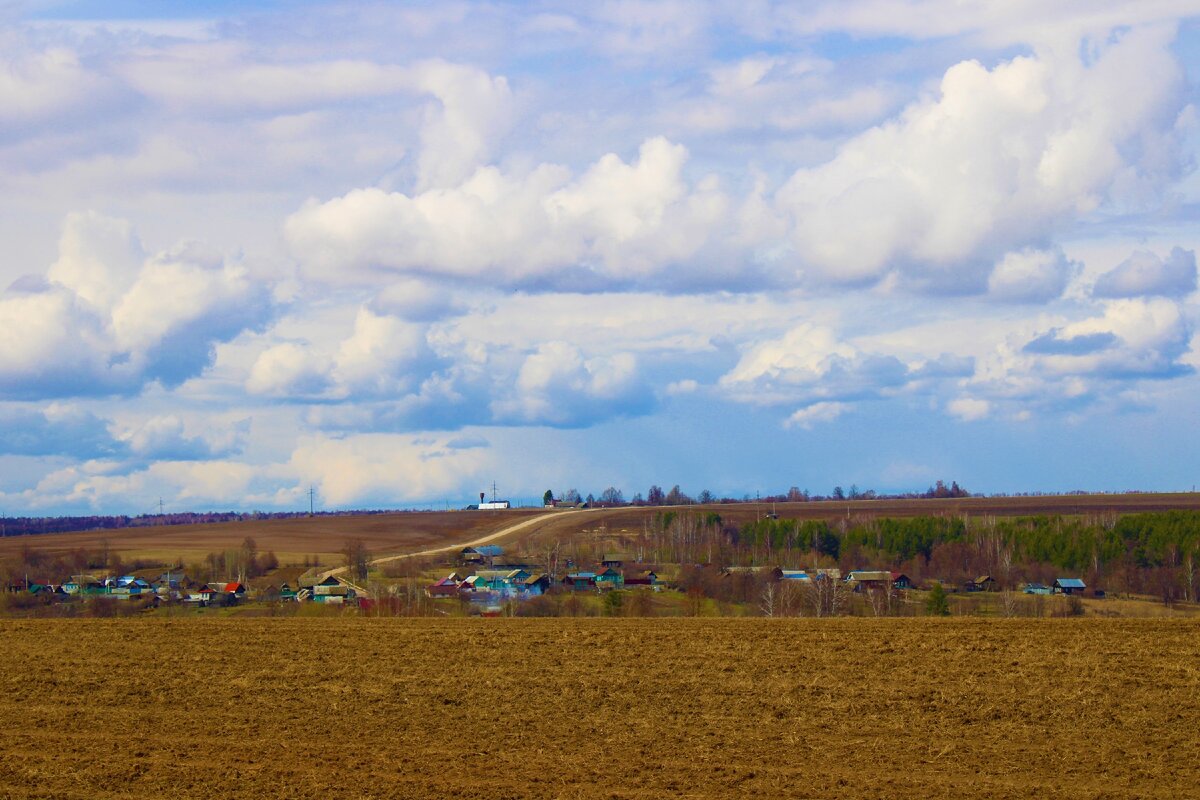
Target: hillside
{"x": 292, "y": 540}
{"x": 388, "y": 534}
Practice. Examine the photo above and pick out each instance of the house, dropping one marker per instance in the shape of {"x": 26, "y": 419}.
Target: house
{"x": 609, "y": 578}
{"x": 536, "y": 584}
{"x": 130, "y": 588}
{"x": 208, "y": 594}
{"x": 483, "y": 554}
{"x": 170, "y": 580}
{"x": 866, "y": 580}
{"x": 500, "y": 580}
{"x": 901, "y": 581}
{"x": 616, "y": 560}
{"x": 645, "y": 578}
{"x": 580, "y": 580}
{"x": 332, "y": 591}
{"x": 1037, "y": 588}
{"x": 984, "y": 583}
{"x": 1068, "y": 586}
{"x": 446, "y": 587}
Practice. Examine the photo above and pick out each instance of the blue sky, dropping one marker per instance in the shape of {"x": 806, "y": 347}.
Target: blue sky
{"x": 399, "y": 251}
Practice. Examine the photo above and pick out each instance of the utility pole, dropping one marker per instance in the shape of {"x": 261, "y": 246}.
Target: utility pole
{"x": 310, "y": 500}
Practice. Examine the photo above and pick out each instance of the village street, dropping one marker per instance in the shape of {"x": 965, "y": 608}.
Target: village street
{"x": 491, "y": 537}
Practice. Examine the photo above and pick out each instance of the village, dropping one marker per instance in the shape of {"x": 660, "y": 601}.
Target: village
{"x": 484, "y": 580}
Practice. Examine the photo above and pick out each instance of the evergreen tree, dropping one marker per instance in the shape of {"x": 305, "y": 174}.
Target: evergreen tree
{"x": 936, "y": 604}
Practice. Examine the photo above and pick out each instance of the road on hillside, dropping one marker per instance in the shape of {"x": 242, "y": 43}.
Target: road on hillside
{"x": 491, "y": 537}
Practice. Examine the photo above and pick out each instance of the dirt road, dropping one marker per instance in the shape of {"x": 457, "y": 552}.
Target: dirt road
{"x": 491, "y": 537}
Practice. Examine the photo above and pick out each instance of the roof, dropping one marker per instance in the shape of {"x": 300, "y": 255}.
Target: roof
{"x": 794, "y": 575}
{"x": 485, "y": 550}
{"x": 582, "y": 576}
{"x": 617, "y": 557}
{"x": 985, "y": 579}
{"x": 869, "y": 575}
{"x": 1069, "y": 583}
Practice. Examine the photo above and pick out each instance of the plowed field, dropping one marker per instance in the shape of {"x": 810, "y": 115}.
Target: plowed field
{"x": 353, "y": 707}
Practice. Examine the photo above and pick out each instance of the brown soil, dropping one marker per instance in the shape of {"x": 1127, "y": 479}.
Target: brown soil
{"x": 353, "y": 707}
{"x": 290, "y": 539}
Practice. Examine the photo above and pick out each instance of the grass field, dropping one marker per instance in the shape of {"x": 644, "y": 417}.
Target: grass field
{"x": 355, "y": 707}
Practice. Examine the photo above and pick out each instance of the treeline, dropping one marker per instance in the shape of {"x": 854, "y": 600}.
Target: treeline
{"x": 656, "y": 496}
{"x": 25, "y": 526}
{"x": 1150, "y": 553}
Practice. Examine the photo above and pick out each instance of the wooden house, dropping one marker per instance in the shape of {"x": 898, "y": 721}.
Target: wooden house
{"x": 609, "y": 578}
{"x": 483, "y": 554}
{"x": 1069, "y": 586}
{"x": 536, "y": 584}
{"x": 446, "y": 587}
{"x": 642, "y": 578}
{"x": 580, "y": 581}
{"x": 901, "y": 581}
{"x": 616, "y": 560}
{"x": 984, "y": 583}
{"x": 869, "y": 580}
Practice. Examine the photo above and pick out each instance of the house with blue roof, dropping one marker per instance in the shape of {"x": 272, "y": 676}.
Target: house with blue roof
{"x": 1069, "y": 586}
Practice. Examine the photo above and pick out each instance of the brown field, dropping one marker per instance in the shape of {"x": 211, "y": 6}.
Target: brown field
{"x": 389, "y": 534}
{"x": 290, "y": 539}
{"x": 356, "y": 707}
{"x": 1071, "y": 505}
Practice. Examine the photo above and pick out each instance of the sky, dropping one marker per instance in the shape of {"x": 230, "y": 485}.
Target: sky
{"x": 397, "y": 252}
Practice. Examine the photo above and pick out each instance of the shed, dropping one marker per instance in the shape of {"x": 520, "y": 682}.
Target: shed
{"x": 1037, "y": 588}
{"x": 480, "y": 554}
{"x": 794, "y": 575}
{"x": 1069, "y": 586}
{"x": 901, "y": 581}
{"x": 617, "y": 560}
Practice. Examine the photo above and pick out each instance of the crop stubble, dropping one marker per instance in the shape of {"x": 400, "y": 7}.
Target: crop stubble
{"x": 599, "y": 708}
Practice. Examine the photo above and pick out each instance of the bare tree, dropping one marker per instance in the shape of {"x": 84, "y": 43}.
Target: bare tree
{"x": 357, "y": 558}
{"x": 768, "y": 599}
{"x": 1008, "y": 602}
{"x": 826, "y": 596}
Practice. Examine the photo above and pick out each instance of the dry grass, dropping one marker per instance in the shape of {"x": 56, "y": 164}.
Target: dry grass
{"x": 600, "y": 708}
